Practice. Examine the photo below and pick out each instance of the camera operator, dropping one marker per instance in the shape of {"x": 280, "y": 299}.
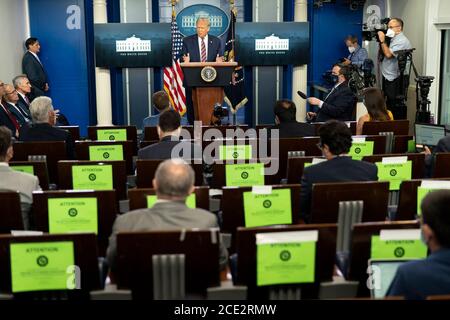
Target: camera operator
{"x": 357, "y": 54}
{"x": 392, "y": 87}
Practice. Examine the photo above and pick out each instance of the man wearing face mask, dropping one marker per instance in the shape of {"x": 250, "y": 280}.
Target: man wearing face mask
{"x": 419, "y": 279}
{"x": 389, "y": 65}
{"x": 339, "y": 104}
{"x": 357, "y": 54}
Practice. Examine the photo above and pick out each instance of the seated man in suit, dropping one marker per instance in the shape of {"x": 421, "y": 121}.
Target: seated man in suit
{"x": 23, "y": 87}
{"x": 169, "y": 146}
{"x": 11, "y": 180}
{"x": 173, "y": 183}
{"x": 442, "y": 146}
{"x": 161, "y": 102}
{"x": 285, "y": 120}
{"x": 11, "y": 99}
{"x": 335, "y": 143}
{"x": 42, "y": 128}
{"x": 340, "y": 103}
{"x": 200, "y": 47}
{"x": 431, "y": 276}
{"x": 6, "y": 117}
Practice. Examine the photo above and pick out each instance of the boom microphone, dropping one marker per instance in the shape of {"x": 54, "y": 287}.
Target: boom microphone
{"x": 302, "y": 95}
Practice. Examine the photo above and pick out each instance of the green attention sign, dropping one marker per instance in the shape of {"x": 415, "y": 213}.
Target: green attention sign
{"x": 94, "y": 177}
{"x": 397, "y": 249}
{"x": 244, "y": 175}
{"x": 395, "y": 173}
{"x": 411, "y": 146}
{"x": 361, "y": 149}
{"x": 190, "y": 201}
{"x": 235, "y": 152}
{"x": 267, "y": 209}
{"x": 37, "y": 266}
{"x": 421, "y": 193}
{"x": 26, "y": 169}
{"x": 67, "y": 215}
{"x": 285, "y": 263}
{"x": 112, "y": 134}
{"x": 106, "y": 153}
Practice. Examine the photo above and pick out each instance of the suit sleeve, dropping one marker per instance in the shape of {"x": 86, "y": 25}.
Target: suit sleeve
{"x": 70, "y": 147}
{"x": 184, "y": 49}
{"x": 398, "y": 287}
{"x": 111, "y": 252}
{"x": 343, "y": 102}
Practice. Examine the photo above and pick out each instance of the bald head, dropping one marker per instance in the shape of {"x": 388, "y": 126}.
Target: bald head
{"x": 174, "y": 180}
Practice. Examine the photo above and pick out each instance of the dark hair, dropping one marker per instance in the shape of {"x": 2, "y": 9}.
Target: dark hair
{"x": 285, "y": 110}
{"x": 5, "y": 141}
{"x": 345, "y": 71}
{"x": 352, "y": 38}
{"x": 435, "y": 214}
{"x": 160, "y": 100}
{"x": 30, "y": 41}
{"x": 399, "y": 21}
{"x": 337, "y": 136}
{"x": 169, "y": 120}
{"x": 375, "y": 104}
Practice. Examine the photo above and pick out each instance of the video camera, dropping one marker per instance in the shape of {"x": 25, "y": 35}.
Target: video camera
{"x": 219, "y": 113}
{"x": 371, "y": 32}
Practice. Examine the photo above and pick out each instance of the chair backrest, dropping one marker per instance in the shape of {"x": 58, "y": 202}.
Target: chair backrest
{"x": 219, "y": 172}
{"x": 441, "y": 167}
{"x": 326, "y": 198}
{"x": 53, "y": 150}
{"x": 138, "y": 197}
{"x": 379, "y": 143}
{"x": 107, "y": 210}
{"x": 118, "y": 170}
{"x": 146, "y": 169}
{"x": 39, "y": 170}
{"x": 232, "y": 204}
{"x": 85, "y": 259}
{"x": 151, "y": 133}
{"x": 418, "y": 162}
{"x": 398, "y": 127}
{"x": 246, "y": 252}
{"x": 407, "y": 205}
{"x": 401, "y": 143}
{"x": 74, "y": 131}
{"x": 361, "y": 244}
{"x": 82, "y": 149}
{"x": 131, "y": 133}
{"x": 135, "y": 252}
{"x": 351, "y": 124}
{"x": 11, "y": 216}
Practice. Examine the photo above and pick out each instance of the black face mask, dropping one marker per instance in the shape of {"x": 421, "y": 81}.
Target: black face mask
{"x": 334, "y": 78}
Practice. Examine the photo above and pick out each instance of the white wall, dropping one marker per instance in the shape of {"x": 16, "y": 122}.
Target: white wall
{"x": 14, "y": 30}
{"x": 413, "y": 14}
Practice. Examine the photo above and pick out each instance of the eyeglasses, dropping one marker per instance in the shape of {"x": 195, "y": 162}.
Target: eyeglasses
{"x": 15, "y": 91}
{"x": 2, "y": 84}
{"x": 397, "y": 26}
{"x": 319, "y": 145}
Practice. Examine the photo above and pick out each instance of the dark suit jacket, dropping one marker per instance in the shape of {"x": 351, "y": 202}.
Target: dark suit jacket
{"x": 5, "y": 120}
{"x": 339, "y": 105}
{"x": 295, "y": 129}
{"x": 163, "y": 149}
{"x": 421, "y": 278}
{"x": 339, "y": 169}
{"x": 35, "y": 73}
{"x": 190, "y": 45}
{"x": 45, "y": 132}
{"x": 442, "y": 146}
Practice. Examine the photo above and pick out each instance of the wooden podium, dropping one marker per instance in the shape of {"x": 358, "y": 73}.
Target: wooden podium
{"x": 207, "y": 80}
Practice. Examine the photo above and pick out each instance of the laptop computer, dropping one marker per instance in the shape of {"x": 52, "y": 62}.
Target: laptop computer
{"x": 428, "y": 135}
{"x": 383, "y": 273}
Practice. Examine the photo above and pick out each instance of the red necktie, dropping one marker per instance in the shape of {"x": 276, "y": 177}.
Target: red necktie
{"x": 11, "y": 117}
{"x": 203, "y": 50}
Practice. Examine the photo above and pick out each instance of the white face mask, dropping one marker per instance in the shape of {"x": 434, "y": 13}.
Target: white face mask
{"x": 390, "y": 33}
{"x": 351, "y": 49}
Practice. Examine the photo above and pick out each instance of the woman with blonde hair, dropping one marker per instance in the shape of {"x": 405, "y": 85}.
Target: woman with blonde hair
{"x": 376, "y": 108}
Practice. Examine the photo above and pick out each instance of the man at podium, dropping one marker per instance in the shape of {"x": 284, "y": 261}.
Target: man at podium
{"x": 200, "y": 47}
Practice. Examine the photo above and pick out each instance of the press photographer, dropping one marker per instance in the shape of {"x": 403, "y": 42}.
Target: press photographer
{"x": 393, "y": 86}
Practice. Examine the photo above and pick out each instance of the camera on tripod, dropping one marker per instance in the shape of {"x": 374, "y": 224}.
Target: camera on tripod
{"x": 218, "y": 114}
{"x": 370, "y": 33}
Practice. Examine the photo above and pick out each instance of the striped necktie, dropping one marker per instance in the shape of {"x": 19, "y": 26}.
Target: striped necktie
{"x": 203, "y": 50}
